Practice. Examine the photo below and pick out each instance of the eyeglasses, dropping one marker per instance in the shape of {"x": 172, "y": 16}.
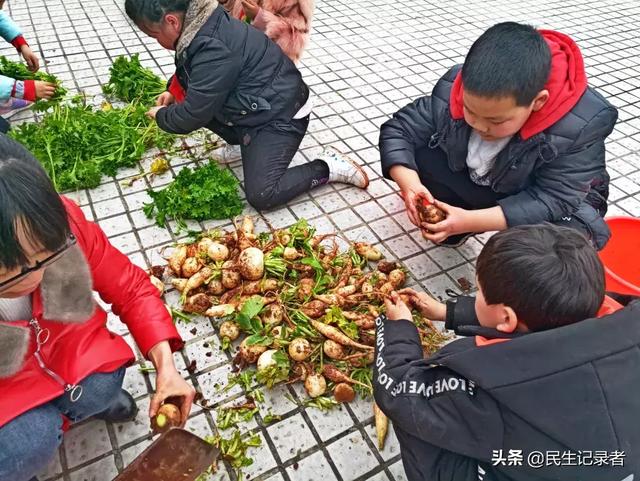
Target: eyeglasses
{"x": 71, "y": 241}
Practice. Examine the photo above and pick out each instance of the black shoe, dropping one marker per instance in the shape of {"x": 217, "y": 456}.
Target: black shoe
{"x": 455, "y": 240}
{"x": 123, "y": 408}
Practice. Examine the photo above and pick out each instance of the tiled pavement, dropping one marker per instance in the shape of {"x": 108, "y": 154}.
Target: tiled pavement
{"x": 367, "y": 58}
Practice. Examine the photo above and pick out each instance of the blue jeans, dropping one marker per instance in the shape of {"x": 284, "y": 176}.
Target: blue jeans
{"x": 29, "y": 442}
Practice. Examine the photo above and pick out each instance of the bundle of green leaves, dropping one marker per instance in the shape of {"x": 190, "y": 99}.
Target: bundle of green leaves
{"x": 19, "y": 71}
{"x": 131, "y": 82}
{"x": 77, "y": 143}
{"x": 204, "y": 193}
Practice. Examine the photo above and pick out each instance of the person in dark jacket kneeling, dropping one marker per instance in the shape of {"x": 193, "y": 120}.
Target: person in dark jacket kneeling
{"x": 544, "y": 386}
{"x": 514, "y": 136}
{"x": 232, "y": 79}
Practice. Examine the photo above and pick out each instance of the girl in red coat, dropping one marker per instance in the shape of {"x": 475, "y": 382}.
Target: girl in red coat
{"x": 57, "y": 359}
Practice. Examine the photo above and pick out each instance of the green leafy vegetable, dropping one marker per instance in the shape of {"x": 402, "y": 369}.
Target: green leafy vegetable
{"x": 230, "y": 417}
{"x": 204, "y": 193}
{"x": 19, "y": 71}
{"x": 335, "y": 316}
{"x": 323, "y": 403}
{"x": 234, "y": 449}
{"x": 77, "y": 144}
{"x": 131, "y": 82}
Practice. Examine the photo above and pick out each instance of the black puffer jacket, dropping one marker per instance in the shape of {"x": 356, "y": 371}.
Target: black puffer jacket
{"x": 235, "y": 77}
{"x": 570, "y": 393}
{"x": 557, "y": 173}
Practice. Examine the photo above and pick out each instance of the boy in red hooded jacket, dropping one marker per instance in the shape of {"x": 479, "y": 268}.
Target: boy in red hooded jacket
{"x": 514, "y": 136}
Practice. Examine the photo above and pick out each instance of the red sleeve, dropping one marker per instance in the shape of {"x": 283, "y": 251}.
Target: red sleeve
{"x": 176, "y": 89}
{"x": 29, "y": 90}
{"x": 18, "y": 42}
{"x": 124, "y": 285}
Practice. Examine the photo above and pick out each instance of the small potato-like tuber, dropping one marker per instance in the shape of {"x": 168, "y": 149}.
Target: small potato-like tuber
{"x": 344, "y": 393}
{"x": 299, "y": 349}
{"x": 429, "y": 213}
{"x": 230, "y": 330}
{"x": 315, "y": 385}
{"x": 167, "y": 417}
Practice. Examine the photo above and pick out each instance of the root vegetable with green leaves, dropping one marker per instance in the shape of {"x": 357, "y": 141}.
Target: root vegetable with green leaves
{"x": 300, "y": 303}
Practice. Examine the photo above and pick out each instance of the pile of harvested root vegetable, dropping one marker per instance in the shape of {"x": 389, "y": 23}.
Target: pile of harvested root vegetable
{"x": 306, "y": 310}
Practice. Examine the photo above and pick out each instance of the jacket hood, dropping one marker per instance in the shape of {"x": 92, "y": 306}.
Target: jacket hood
{"x": 588, "y": 371}
{"x": 566, "y": 84}
{"x": 196, "y": 16}
{"x": 67, "y": 296}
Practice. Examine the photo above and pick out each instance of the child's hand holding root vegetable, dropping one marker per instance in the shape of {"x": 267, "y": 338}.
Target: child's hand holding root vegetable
{"x": 425, "y": 304}
{"x": 396, "y": 307}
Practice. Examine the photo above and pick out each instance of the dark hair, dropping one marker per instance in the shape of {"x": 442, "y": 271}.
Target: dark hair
{"x": 550, "y": 276}
{"x": 153, "y": 11}
{"x": 29, "y": 200}
{"x": 509, "y": 59}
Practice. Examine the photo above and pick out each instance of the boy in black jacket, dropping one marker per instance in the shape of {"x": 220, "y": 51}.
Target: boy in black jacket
{"x": 545, "y": 390}
{"x": 514, "y": 136}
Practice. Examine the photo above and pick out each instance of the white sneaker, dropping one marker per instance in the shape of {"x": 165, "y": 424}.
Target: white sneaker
{"x": 343, "y": 169}
{"x": 227, "y": 154}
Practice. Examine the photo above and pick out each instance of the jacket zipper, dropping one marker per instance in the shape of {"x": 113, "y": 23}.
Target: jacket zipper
{"x": 42, "y": 336}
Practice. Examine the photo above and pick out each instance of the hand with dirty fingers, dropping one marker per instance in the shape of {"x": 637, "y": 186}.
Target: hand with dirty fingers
{"x": 425, "y": 304}
{"x": 396, "y": 309}
{"x": 457, "y": 221}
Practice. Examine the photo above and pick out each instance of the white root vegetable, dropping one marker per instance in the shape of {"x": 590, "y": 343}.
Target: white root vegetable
{"x": 397, "y": 278}
{"x": 251, "y": 264}
{"x": 221, "y": 310}
{"x": 315, "y": 385}
{"x": 215, "y": 287}
{"x": 157, "y": 283}
{"x": 197, "y": 304}
{"x": 230, "y": 277}
{"x": 368, "y": 251}
{"x": 197, "y": 280}
{"x": 273, "y": 314}
{"x": 367, "y": 288}
{"x": 333, "y": 350}
{"x": 218, "y": 252}
{"x": 266, "y": 360}
{"x": 346, "y": 290}
{"x": 230, "y": 330}
{"x": 203, "y": 245}
{"x": 276, "y": 332}
{"x": 387, "y": 288}
{"x": 258, "y": 287}
{"x": 382, "y": 425}
{"x": 247, "y": 227}
{"x": 179, "y": 284}
{"x": 177, "y": 258}
{"x": 250, "y": 353}
{"x": 290, "y": 254}
{"x": 305, "y": 288}
{"x": 299, "y": 349}
{"x": 334, "y": 334}
{"x": 190, "y": 266}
